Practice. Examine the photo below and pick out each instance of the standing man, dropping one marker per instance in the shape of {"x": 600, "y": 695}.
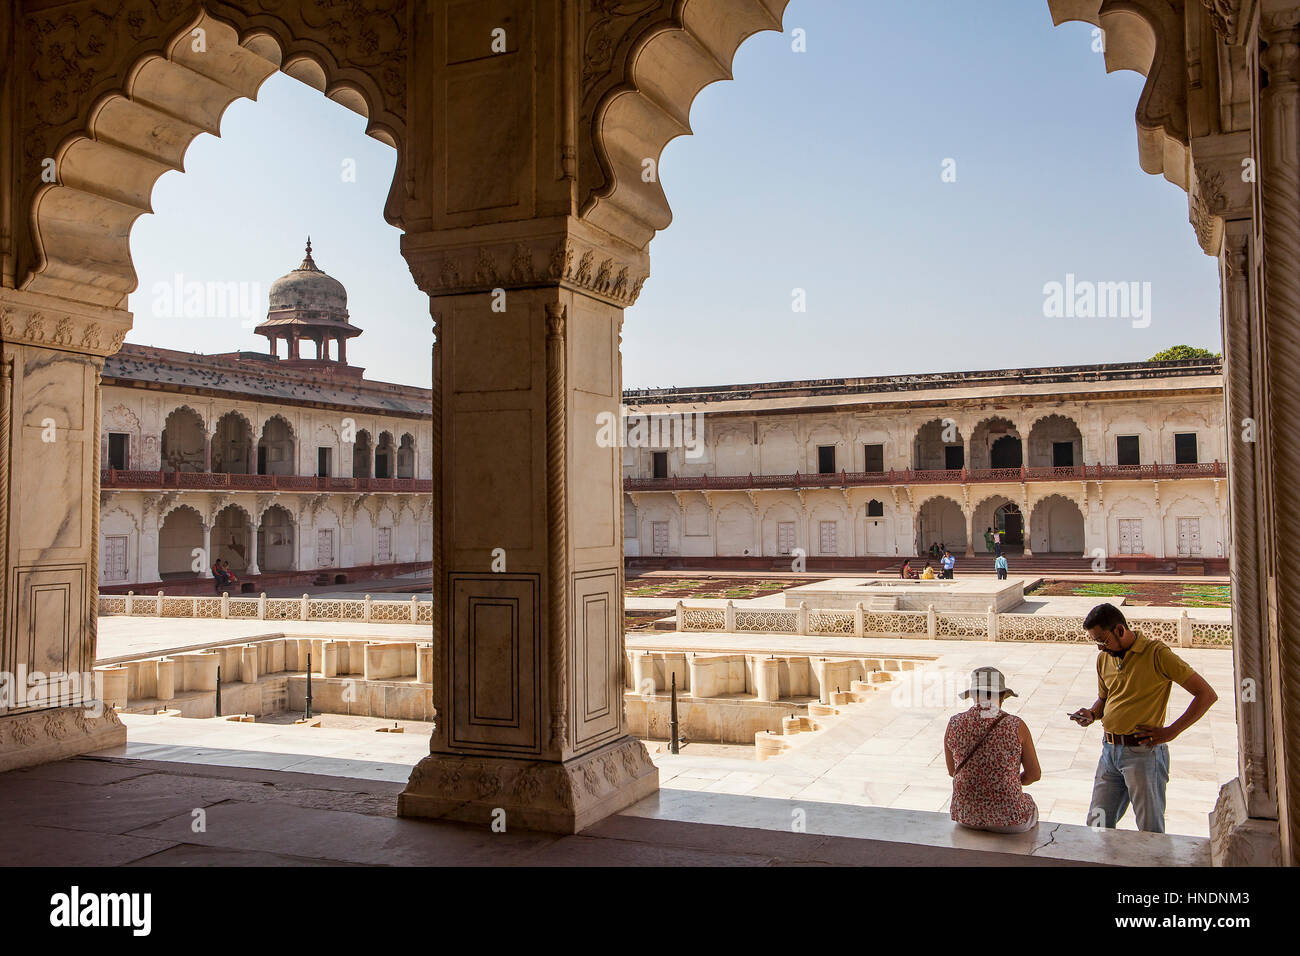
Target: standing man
{"x": 1000, "y": 565}
{"x": 948, "y": 563}
{"x": 1134, "y": 677}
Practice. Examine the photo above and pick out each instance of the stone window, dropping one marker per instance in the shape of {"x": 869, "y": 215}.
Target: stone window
{"x": 1127, "y": 450}
{"x": 875, "y": 509}
{"x": 875, "y": 458}
{"x": 1185, "y": 449}
{"x": 118, "y": 446}
{"x": 825, "y": 459}
{"x": 660, "y": 464}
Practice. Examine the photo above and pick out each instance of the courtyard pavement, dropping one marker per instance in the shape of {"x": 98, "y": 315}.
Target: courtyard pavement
{"x": 888, "y": 751}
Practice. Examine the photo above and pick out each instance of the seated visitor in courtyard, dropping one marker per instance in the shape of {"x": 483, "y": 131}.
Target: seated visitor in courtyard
{"x": 991, "y": 758}
{"x": 1134, "y": 677}
{"x": 906, "y": 570}
{"x": 928, "y": 573}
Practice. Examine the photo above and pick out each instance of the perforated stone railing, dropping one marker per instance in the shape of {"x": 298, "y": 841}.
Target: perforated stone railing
{"x": 263, "y": 608}
{"x": 950, "y": 625}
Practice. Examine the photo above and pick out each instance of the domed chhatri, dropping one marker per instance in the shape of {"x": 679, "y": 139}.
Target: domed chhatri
{"x": 308, "y": 304}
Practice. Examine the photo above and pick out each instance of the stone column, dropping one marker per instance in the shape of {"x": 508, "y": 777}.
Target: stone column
{"x": 1279, "y": 223}
{"x": 252, "y": 547}
{"x": 343, "y": 349}
{"x": 208, "y": 556}
{"x": 51, "y": 354}
{"x": 527, "y": 665}
{"x": 207, "y": 453}
{"x": 970, "y": 533}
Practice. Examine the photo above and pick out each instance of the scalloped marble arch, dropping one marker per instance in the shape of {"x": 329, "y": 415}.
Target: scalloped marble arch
{"x": 695, "y": 45}
{"x": 1147, "y": 37}
{"x": 81, "y": 225}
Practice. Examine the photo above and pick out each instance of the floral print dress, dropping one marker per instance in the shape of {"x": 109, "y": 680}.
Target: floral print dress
{"x": 986, "y": 793}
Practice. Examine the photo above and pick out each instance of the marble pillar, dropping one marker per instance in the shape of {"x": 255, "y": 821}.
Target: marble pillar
{"x": 528, "y": 571}
{"x": 50, "y": 360}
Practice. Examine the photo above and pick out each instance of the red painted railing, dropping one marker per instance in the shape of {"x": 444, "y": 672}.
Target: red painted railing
{"x": 204, "y": 481}
{"x": 912, "y": 476}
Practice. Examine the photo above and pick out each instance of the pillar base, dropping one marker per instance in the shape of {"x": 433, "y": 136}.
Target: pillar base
{"x": 1236, "y": 838}
{"x": 43, "y": 736}
{"x": 535, "y": 794}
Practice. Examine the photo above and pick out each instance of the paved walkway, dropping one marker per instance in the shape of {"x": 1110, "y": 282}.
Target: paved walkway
{"x": 888, "y": 751}
{"x": 97, "y": 812}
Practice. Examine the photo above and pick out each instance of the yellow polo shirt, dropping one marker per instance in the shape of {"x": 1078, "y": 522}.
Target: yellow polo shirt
{"x": 1135, "y": 688}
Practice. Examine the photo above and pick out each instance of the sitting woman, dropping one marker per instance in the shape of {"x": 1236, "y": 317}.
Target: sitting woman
{"x": 928, "y": 573}
{"x": 991, "y": 757}
{"x": 906, "y": 570}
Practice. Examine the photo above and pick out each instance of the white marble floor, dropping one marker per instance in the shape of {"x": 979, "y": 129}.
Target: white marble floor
{"x": 888, "y": 752}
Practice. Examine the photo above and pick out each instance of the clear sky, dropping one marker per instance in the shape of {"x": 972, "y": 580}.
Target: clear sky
{"x": 819, "y": 170}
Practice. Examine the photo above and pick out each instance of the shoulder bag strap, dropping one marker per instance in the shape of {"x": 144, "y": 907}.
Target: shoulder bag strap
{"x": 997, "y": 721}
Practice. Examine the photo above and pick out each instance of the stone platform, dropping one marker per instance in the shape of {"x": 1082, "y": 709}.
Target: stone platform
{"x": 960, "y": 594}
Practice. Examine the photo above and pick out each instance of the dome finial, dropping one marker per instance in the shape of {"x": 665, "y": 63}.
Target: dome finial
{"x": 308, "y": 262}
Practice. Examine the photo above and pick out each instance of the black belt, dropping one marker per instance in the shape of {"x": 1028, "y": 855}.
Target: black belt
{"x": 1127, "y": 740}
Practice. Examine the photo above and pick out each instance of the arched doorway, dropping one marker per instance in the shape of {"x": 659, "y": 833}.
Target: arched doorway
{"x": 941, "y": 522}
{"x": 361, "y": 454}
{"x": 1055, "y": 442}
{"x": 1056, "y": 525}
{"x": 995, "y": 443}
{"x": 939, "y": 446}
{"x": 1008, "y": 519}
{"x": 232, "y": 445}
{"x": 184, "y": 441}
{"x": 384, "y": 456}
{"x": 277, "y": 540}
{"x": 231, "y": 542}
{"x": 406, "y": 456}
{"x": 275, "y": 449}
{"x": 180, "y": 545}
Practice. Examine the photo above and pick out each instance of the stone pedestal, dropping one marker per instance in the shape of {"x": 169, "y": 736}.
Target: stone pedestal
{"x": 42, "y": 736}
{"x": 534, "y": 794}
{"x": 1237, "y": 839}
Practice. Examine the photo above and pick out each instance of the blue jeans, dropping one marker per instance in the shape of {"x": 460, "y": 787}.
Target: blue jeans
{"x": 1125, "y": 775}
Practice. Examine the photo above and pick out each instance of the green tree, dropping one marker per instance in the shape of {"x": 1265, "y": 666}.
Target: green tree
{"x": 1178, "y": 353}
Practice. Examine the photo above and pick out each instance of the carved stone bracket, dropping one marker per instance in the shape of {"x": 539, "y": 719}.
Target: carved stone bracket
{"x": 1231, "y": 18}
{"x": 29, "y": 319}
{"x": 570, "y": 254}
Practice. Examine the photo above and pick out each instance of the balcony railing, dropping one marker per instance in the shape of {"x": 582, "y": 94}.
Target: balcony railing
{"x": 913, "y": 476}
{"x": 205, "y": 481}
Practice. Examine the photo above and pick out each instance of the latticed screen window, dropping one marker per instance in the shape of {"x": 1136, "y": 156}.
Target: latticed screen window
{"x": 384, "y": 546}
{"x": 115, "y": 557}
{"x": 660, "y": 531}
{"x": 785, "y": 537}
{"x": 828, "y": 545}
{"x": 325, "y": 548}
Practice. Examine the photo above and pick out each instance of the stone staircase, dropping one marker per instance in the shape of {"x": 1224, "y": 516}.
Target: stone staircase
{"x": 877, "y": 674}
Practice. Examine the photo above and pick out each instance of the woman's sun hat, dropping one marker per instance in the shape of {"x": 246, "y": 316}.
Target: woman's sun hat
{"x": 988, "y": 681}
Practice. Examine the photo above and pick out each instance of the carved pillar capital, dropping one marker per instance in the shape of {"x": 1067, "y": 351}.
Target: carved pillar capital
{"x": 562, "y": 251}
